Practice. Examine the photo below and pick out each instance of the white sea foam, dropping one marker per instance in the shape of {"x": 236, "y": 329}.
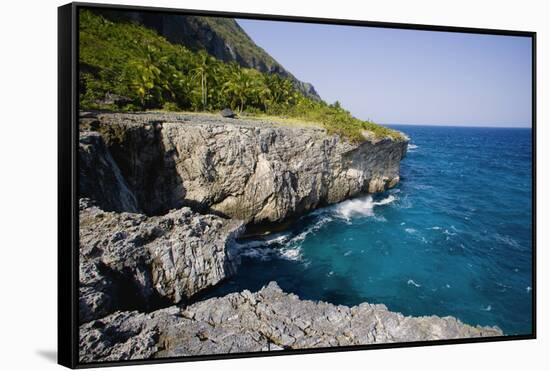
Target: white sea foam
{"x": 257, "y": 253}
{"x": 356, "y": 207}
{"x": 287, "y": 246}
{"x": 291, "y": 253}
{"x": 412, "y": 283}
{"x": 410, "y": 230}
{"x": 411, "y": 147}
{"x": 268, "y": 253}
{"x": 313, "y": 228}
{"x": 385, "y": 201}
{"x": 278, "y": 245}
{"x": 363, "y": 206}
{"x": 487, "y": 308}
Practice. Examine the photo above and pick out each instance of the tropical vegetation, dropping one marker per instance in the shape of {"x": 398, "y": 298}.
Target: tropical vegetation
{"x": 128, "y": 67}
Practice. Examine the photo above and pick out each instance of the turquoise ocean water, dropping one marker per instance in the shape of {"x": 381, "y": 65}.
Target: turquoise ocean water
{"x": 453, "y": 238}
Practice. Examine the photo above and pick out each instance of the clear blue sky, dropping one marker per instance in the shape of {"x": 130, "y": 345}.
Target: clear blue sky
{"x": 407, "y": 76}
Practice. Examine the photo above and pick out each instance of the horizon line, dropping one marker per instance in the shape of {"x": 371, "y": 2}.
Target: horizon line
{"x": 461, "y": 126}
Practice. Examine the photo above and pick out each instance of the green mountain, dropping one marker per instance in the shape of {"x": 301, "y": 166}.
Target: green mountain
{"x": 222, "y": 38}
{"x": 125, "y": 66}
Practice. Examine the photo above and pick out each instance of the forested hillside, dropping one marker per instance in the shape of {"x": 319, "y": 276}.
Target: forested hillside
{"x": 125, "y": 66}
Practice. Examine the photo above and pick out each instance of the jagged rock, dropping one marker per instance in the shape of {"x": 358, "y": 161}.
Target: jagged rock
{"x": 251, "y": 170}
{"x": 131, "y": 261}
{"x": 96, "y": 292}
{"x": 267, "y": 320}
{"x": 131, "y": 340}
{"x": 226, "y": 112}
{"x": 99, "y": 176}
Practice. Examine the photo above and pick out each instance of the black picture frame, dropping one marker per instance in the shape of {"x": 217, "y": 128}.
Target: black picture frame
{"x": 68, "y": 223}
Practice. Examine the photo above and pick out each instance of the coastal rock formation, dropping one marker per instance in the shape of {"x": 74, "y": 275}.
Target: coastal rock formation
{"x": 131, "y": 261}
{"x": 267, "y": 320}
{"x": 99, "y": 175}
{"x": 162, "y": 199}
{"x": 251, "y": 170}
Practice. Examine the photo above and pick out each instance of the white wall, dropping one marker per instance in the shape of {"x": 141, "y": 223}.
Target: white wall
{"x": 28, "y": 181}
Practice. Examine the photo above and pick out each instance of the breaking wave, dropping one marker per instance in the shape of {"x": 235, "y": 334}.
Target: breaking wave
{"x": 285, "y": 245}
{"x": 288, "y": 245}
{"x": 362, "y": 207}
{"x": 411, "y": 147}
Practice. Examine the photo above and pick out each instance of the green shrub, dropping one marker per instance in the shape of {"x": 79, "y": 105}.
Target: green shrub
{"x": 171, "y": 106}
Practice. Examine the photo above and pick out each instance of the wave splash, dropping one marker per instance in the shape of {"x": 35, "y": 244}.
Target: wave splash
{"x": 363, "y": 206}
{"x": 283, "y": 245}
{"x": 288, "y": 245}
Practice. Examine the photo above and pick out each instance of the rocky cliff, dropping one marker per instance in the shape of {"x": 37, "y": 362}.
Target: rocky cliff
{"x": 162, "y": 199}
{"x": 163, "y": 196}
{"x": 131, "y": 261}
{"x": 255, "y": 171}
{"x": 268, "y": 320}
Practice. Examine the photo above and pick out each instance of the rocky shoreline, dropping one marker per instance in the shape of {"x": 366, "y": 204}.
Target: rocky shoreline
{"x": 268, "y": 320}
{"x": 163, "y": 197}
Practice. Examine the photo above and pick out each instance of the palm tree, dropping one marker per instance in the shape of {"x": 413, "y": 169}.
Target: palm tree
{"x": 202, "y": 71}
{"x": 282, "y": 90}
{"x": 147, "y": 76}
{"x": 239, "y": 86}
{"x": 265, "y": 96}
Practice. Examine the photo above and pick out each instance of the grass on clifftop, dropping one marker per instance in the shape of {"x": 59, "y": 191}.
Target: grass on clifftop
{"x": 335, "y": 120}
{"x": 128, "y": 67}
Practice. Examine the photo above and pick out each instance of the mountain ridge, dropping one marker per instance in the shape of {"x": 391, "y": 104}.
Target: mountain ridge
{"x": 223, "y": 38}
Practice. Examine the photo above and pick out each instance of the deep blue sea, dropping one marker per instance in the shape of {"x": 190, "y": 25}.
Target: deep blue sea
{"x": 453, "y": 238}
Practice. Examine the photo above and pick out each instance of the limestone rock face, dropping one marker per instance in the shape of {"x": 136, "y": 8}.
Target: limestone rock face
{"x": 100, "y": 177}
{"x": 267, "y": 320}
{"x": 131, "y": 261}
{"x": 250, "y": 170}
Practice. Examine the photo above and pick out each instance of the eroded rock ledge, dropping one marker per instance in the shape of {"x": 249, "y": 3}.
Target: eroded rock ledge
{"x": 267, "y": 320}
{"x": 251, "y": 170}
{"x": 131, "y": 261}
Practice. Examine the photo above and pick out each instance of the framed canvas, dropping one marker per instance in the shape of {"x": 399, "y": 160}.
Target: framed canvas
{"x": 241, "y": 185}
